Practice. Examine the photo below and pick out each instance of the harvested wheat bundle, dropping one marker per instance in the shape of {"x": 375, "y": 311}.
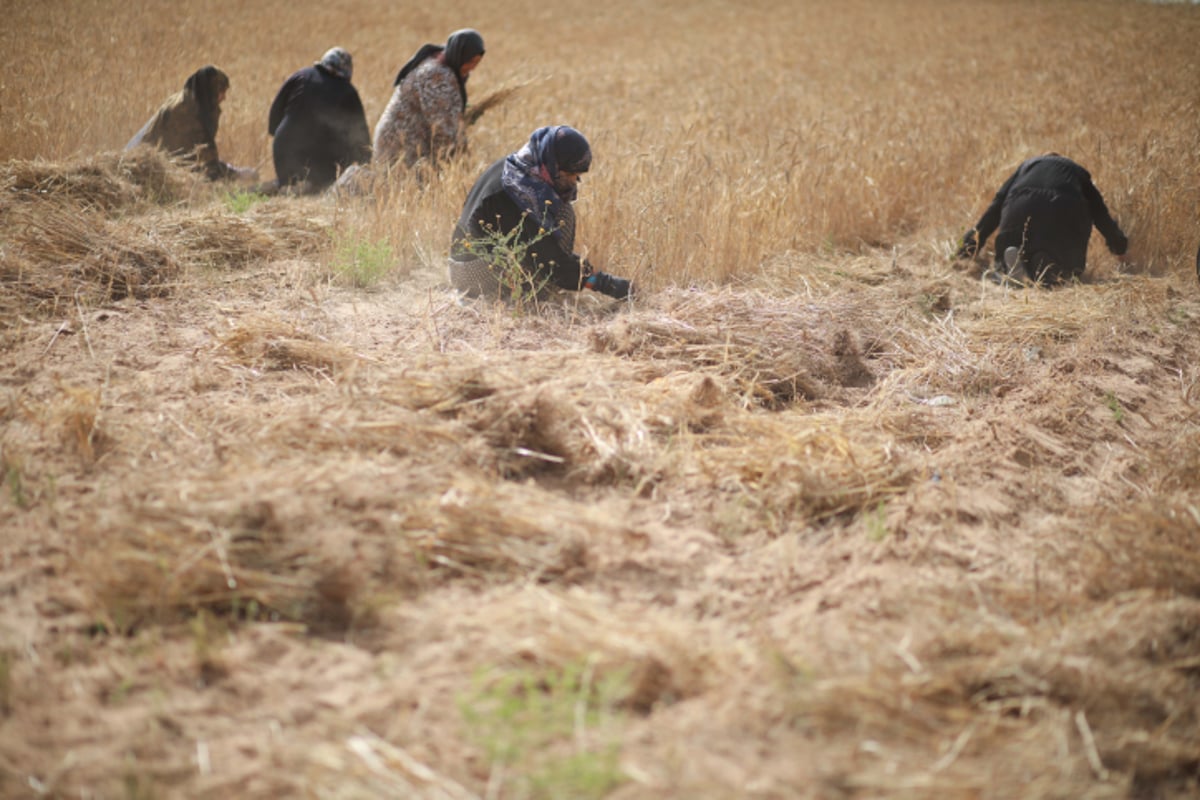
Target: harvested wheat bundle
{"x": 216, "y": 238}
{"x": 940, "y": 358}
{"x": 801, "y": 468}
{"x": 539, "y": 412}
{"x": 368, "y": 425}
{"x": 492, "y": 99}
{"x": 1040, "y": 316}
{"x": 298, "y": 226}
{"x": 58, "y": 253}
{"x": 1125, "y": 664}
{"x": 105, "y": 181}
{"x": 1154, "y": 546}
{"x": 164, "y": 564}
{"x": 777, "y": 349}
{"x": 480, "y": 529}
{"x": 656, "y": 660}
{"x": 270, "y": 343}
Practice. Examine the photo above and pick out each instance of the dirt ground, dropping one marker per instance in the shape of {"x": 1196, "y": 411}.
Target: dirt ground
{"x": 861, "y": 526}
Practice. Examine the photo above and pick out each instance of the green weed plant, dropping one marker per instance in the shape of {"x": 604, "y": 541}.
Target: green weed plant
{"x": 876, "y": 522}
{"x": 239, "y": 202}
{"x": 550, "y": 733}
{"x": 362, "y": 263}
{"x": 1115, "y": 407}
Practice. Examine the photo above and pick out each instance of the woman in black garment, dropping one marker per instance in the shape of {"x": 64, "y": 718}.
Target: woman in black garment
{"x": 319, "y": 125}
{"x": 523, "y": 202}
{"x": 1043, "y": 217}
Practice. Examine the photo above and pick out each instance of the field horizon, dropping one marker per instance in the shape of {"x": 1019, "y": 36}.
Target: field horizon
{"x": 820, "y": 514}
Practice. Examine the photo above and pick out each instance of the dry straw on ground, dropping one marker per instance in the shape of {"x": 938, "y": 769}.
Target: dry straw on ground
{"x": 820, "y": 514}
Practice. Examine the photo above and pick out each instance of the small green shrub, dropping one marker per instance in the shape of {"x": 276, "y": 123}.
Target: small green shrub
{"x": 362, "y": 263}
{"x": 876, "y": 523}
{"x": 1114, "y": 405}
{"x": 6, "y": 660}
{"x": 16, "y": 485}
{"x": 555, "y": 733}
{"x": 240, "y": 201}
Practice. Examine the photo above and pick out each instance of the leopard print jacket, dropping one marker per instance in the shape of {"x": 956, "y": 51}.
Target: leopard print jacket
{"x": 424, "y": 118}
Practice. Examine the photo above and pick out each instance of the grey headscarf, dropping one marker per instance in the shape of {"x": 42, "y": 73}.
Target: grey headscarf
{"x": 337, "y": 62}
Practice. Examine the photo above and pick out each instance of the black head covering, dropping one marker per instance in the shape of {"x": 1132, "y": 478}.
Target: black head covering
{"x": 206, "y": 85}
{"x": 460, "y": 48}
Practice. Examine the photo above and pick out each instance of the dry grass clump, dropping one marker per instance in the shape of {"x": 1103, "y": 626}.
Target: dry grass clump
{"x": 266, "y": 342}
{"x": 539, "y": 413}
{"x": 297, "y": 228}
{"x": 775, "y": 349}
{"x": 165, "y": 564}
{"x": 105, "y": 182}
{"x": 479, "y": 529}
{"x": 57, "y": 253}
{"x": 1152, "y": 546}
{"x": 216, "y": 238}
{"x": 795, "y": 470}
{"x": 659, "y": 662}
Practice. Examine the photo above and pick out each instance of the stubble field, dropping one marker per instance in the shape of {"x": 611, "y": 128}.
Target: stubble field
{"x": 819, "y": 514}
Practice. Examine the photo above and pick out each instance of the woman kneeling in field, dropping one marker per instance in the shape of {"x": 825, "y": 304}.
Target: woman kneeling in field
{"x": 1044, "y": 212}
{"x": 516, "y": 235}
{"x": 186, "y": 125}
{"x": 319, "y": 125}
{"x": 424, "y": 118}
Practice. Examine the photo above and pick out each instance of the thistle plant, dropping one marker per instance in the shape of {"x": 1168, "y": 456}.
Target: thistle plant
{"x": 506, "y": 254}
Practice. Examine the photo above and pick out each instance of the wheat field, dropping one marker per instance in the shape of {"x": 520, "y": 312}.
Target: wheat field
{"x": 820, "y": 514}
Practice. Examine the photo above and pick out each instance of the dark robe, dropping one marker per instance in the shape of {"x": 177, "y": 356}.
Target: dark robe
{"x": 320, "y": 128}
{"x": 1046, "y": 209}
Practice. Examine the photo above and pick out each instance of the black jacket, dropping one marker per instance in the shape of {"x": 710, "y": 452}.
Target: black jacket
{"x": 489, "y": 212}
{"x": 1047, "y": 208}
{"x": 319, "y": 126}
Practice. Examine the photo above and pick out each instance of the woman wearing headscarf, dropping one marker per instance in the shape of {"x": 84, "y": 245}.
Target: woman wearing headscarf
{"x": 424, "y": 118}
{"x": 186, "y": 125}
{"x": 319, "y": 124}
{"x": 517, "y": 229}
{"x": 1043, "y": 217}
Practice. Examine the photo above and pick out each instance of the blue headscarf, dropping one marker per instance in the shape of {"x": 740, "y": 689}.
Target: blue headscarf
{"x": 531, "y": 175}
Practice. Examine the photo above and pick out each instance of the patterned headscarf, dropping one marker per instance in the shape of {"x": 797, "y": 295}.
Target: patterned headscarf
{"x": 460, "y": 48}
{"x": 337, "y": 62}
{"x": 206, "y": 85}
{"x": 531, "y": 175}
